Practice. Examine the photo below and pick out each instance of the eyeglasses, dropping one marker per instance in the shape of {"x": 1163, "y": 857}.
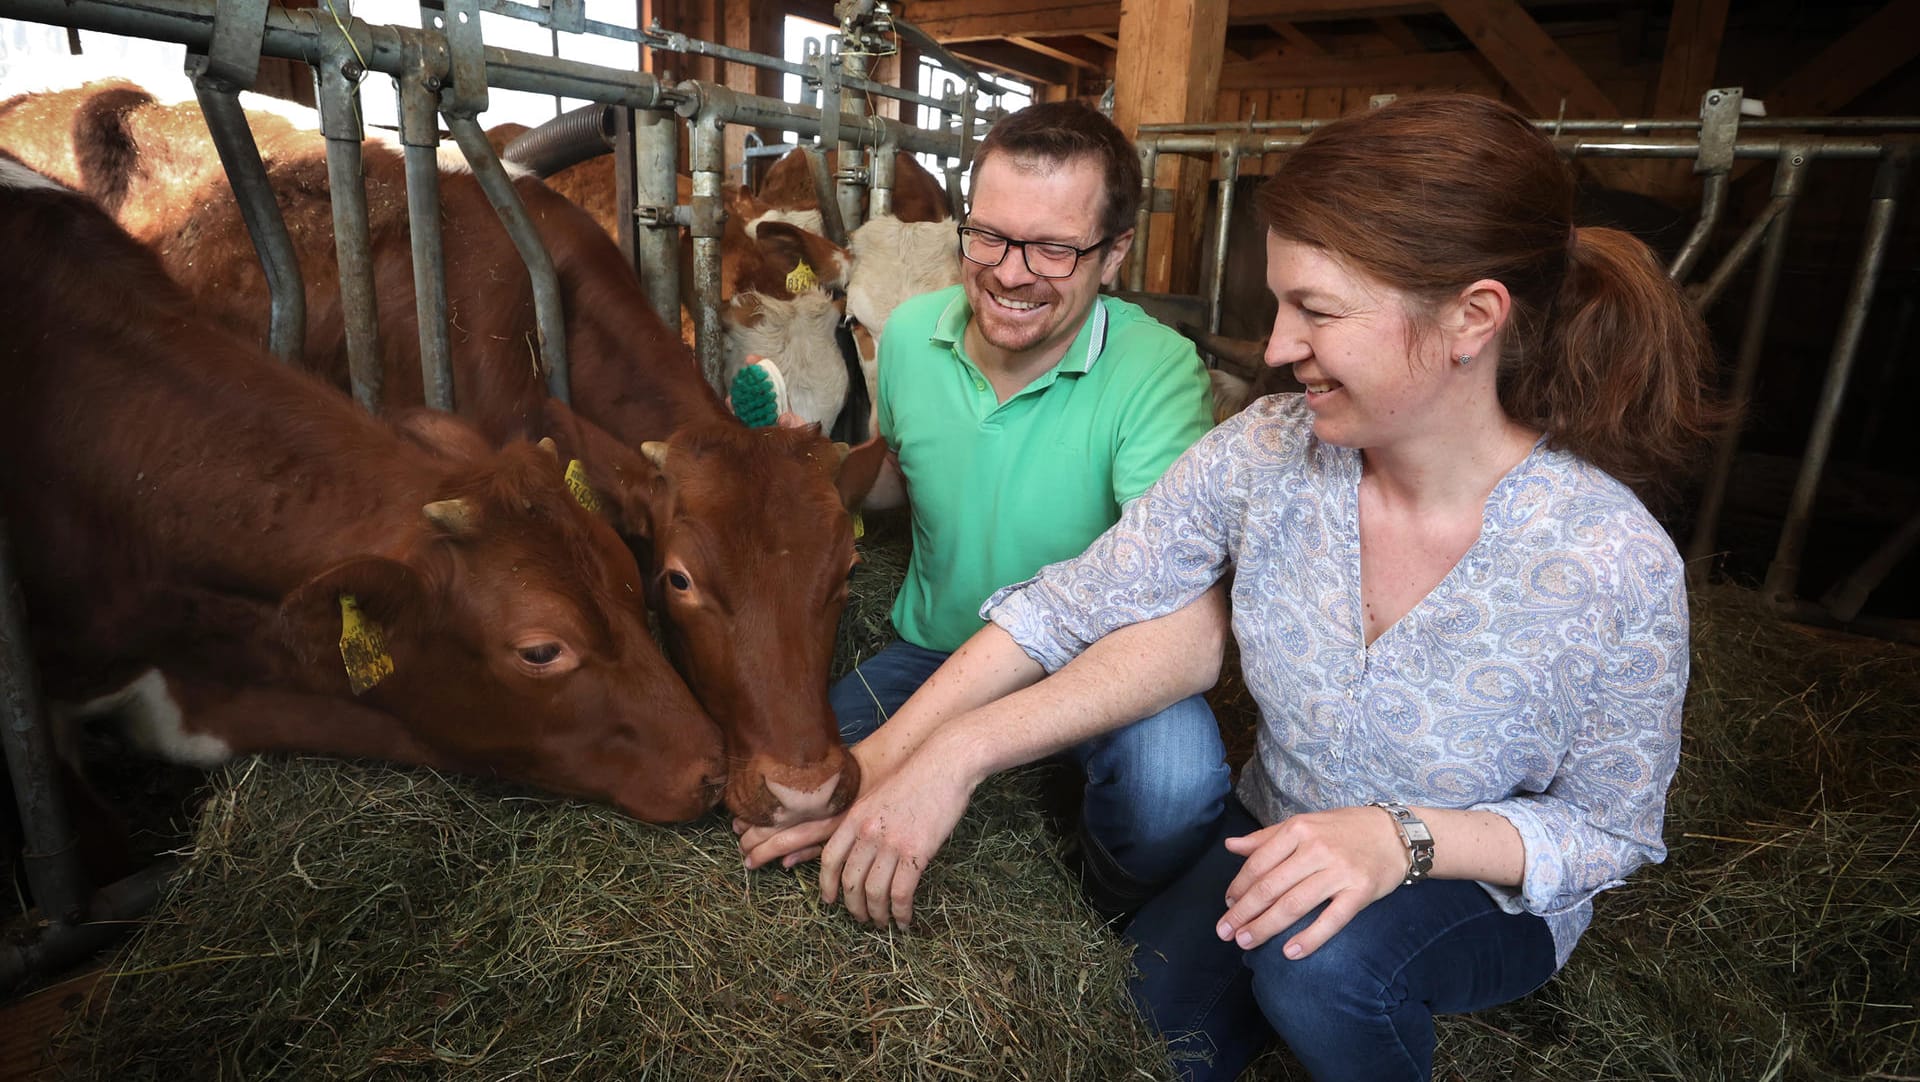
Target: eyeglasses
{"x": 1044, "y": 258}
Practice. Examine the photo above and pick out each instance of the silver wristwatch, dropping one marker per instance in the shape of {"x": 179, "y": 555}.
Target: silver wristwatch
{"x": 1414, "y": 835}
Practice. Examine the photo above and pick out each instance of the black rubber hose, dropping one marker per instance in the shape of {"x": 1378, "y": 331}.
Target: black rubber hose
{"x": 568, "y": 139}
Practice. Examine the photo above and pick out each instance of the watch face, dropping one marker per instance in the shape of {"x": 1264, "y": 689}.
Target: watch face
{"x": 1417, "y": 831}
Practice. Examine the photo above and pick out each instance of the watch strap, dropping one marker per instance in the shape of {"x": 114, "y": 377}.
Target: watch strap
{"x": 1414, "y": 835}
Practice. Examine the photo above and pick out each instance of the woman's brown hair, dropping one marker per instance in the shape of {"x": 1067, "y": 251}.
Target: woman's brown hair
{"x": 1431, "y": 194}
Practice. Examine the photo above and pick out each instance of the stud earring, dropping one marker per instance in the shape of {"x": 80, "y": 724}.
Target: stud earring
{"x": 1463, "y": 359}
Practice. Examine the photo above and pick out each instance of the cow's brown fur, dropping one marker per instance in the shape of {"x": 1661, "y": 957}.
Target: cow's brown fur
{"x": 917, "y": 196}
{"x": 180, "y": 501}
{"x": 631, "y": 375}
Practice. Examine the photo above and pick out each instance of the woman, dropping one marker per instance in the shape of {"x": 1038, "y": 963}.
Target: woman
{"x": 1466, "y": 634}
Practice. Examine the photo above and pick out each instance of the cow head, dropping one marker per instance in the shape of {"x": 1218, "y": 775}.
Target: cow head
{"x": 748, "y": 548}
{"x": 801, "y": 335}
{"x": 512, "y": 639}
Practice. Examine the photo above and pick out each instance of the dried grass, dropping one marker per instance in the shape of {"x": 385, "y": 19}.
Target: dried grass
{"x": 356, "y": 921}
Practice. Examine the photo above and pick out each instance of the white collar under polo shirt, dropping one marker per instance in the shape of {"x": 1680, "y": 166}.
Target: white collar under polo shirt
{"x": 1001, "y": 489}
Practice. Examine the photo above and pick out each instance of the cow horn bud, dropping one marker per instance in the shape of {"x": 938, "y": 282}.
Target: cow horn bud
{"x": 458, "y": 518}
{"x": 841, "y": 451}
{"x": 655, "y": 452}
{"x": 551, "y": 448}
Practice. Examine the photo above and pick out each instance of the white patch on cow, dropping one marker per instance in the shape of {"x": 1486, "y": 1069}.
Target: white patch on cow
{"x": 453, "y": 161}
{"x": 802, "y": 804}
{"x": 1230, "y": 393}
{"x": 799, "y": 335}
{"x": 17, "y": 176}
{"x": 894, "y": 260}
{"x": 808, "y": 220}
{"x": 153, "y": 722}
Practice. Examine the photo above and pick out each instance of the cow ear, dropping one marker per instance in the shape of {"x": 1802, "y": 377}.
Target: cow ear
{"x": 858, "y": 470}
{"x": 605, "y": 475}
{"x": 345, "y": 624}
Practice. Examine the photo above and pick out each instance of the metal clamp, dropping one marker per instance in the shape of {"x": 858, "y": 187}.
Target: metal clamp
{"x": 1719, "y": 127}
{"x": 233, "y": 56}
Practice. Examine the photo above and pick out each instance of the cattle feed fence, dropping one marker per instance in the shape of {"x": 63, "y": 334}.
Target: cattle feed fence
{"x": 1714, "y": 142}
{"x": 442, "y": 73}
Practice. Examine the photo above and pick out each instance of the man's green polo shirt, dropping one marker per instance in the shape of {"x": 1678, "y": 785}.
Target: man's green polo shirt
{"x": 1001, "y": 489}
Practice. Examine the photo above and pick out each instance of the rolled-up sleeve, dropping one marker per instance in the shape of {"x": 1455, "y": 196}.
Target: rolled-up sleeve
{"x": 1168, "y": 547}
{"x": 1601, "y": 816}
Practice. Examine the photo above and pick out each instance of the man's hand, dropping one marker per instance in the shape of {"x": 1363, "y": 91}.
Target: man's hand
{"x": 1346, "y": 857}
{"x": 875, "y": 858}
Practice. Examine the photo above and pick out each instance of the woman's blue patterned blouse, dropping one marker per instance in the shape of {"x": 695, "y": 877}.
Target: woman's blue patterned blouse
{"x": 1541, "y": 680}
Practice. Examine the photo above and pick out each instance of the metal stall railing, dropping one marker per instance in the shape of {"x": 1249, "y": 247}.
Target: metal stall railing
{"x": 1713, "y": 142}
{"x": 443, "y": 72}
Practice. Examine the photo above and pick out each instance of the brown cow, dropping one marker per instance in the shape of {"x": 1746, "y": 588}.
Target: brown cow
{"x": 749, "y": 542}
{"x": 306, "y": 576}
{"x": 917, "y": 196}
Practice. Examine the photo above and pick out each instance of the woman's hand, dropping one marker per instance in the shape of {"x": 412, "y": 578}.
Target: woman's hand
{"x": 1346, "y": 857}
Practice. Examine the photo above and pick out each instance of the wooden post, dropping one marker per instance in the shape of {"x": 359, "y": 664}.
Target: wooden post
{"x": 1168, "y": 71}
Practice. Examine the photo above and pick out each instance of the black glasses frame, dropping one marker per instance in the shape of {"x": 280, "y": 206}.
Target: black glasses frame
{"x": 1009, "y": 244}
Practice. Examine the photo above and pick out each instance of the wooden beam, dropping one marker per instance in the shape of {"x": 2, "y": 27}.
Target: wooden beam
{"x": 1850, "y": 66}
{"x": 1686, "y": 71}
{"x": 1298, "y": 41}
{"x": 1426, "y": 69}
{"x": 1402, "y": 35}
{"x": 1107, "y": 40}
{"x": 1036, "y": 46}
{"x": 1013, "y": 60}
{"x": 1537, "y": 69}
{"x": 950, "y": 21}
{"x": 1168, "y": 71}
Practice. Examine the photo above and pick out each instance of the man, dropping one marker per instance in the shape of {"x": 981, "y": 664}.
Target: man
{"x": 1024, "y": 409}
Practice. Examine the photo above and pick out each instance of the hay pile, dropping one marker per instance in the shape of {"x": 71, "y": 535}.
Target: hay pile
{"x": 357, "y": 921}
{"x": 354, "y": 920}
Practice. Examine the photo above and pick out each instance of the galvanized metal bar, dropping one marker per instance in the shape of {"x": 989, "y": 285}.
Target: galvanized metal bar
{"x": 1736, "y": 258}
{"x": 1577, "y": 146}
{"x": 850, "y": 180}
{"x": 1713, "y": 202}
{"x": 339, "y": 97}
{"x": 420, "y": 142}
{"x": 1848, "y": 596}
{"x": 1801, "y": 124}
{"x": 301, "y": 34}
{"x": 50, "y": 849}
{"x": 880, "y": 191}
{"x": 1229, "y": 176}
{"x": 1778, "y": 216}
{"x": 656, "y": 137}
{"x": 707, "y": 149}
{"x": 111, "y": 913}
{"x": 1783, "y": 574}
{"x": 233, "y": 139}
{"x": 549, "y": 310}
{"x": 1142, "y": 220}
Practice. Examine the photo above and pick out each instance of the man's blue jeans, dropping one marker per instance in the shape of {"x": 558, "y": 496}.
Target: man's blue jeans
{"x": 1154, "y": 788}
{"x": 1359, "y": 1008}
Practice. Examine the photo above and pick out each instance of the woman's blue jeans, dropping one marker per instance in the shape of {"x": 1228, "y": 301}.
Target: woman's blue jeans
{"x": 1360, "y": 1008}
{"x": 1154, "y": 788}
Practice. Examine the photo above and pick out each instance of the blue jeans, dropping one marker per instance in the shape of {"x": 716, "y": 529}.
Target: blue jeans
{"x": 1154, "y": 788}
{"x": 1359, "y": 1008}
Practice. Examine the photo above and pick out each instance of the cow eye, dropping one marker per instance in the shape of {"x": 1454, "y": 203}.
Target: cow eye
{"x": 679, "y": 580}
{"x": 542, "y": 653}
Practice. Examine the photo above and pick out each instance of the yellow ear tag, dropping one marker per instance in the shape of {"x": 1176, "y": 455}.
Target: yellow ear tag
{"x": 859, "y": 526}
{"x": 802, "y": 278}
{"x": 583, "y": 492}
{"x": 362, "y": 647}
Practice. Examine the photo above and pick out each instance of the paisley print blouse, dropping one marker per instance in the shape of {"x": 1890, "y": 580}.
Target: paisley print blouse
{"x": 1541, "y": 680}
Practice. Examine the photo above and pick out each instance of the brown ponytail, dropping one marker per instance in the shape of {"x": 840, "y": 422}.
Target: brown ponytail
{"x": 1430, "y": 194}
